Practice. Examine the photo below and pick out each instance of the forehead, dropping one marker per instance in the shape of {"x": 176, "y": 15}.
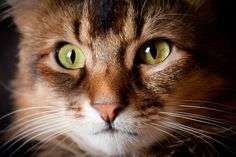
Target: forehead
{"x": 107, "y": 15}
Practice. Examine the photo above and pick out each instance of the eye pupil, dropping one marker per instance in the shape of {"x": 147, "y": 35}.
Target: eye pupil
{"x": 152, "y": 50}
{"x": 71, "y": 54}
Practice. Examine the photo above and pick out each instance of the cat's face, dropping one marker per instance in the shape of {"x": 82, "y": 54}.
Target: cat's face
{"x": 116, "y": 77}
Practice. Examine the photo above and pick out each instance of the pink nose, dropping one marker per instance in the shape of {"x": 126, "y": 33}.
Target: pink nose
{"x": 108, "y": 111}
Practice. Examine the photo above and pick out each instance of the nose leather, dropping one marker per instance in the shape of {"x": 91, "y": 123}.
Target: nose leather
{"x": 108, "y": 111}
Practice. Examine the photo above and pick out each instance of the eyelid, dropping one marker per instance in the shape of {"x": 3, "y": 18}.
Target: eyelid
{"x": 170, "y": 42}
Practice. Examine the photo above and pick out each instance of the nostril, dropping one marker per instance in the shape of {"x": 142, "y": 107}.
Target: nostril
{"x": 117, "y": 111}
{"x": 108, "y": 111}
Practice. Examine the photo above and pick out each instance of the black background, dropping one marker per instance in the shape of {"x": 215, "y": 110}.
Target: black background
{"x": 8, "y": 59}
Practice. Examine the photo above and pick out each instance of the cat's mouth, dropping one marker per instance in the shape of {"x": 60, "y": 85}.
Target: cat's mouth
{"x": 112, "y": 130}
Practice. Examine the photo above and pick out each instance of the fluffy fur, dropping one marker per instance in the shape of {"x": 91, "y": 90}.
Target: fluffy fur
{"x": 185, "y": 104}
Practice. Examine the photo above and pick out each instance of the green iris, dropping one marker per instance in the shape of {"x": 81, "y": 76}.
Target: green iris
{"x": 71, "y": 57}
{"x": 155, "y": 52}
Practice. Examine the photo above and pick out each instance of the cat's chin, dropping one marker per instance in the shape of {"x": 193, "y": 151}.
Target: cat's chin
{"x": 113, "y": 143}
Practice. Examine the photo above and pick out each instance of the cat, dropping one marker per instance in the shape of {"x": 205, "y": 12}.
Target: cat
{"x": 145, "y": 78}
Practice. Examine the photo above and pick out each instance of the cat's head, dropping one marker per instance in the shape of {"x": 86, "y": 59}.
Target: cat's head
{"x": 119, "y": 76}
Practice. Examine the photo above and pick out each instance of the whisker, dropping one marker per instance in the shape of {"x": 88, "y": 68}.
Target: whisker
{"x": 45, "y": 141}
{"x": 25, "y": 109}
{"x": 185, "y": 140}
{"x": 65, "y": 146}
{"x": 70, "y": 148}
{"x": 34, "y": 137}
{"x": 23, "y": 133}
{"x": 157, "y": 126}
{"x": 196, "y": 118}
{"x": 35, "y": 125}
{"x": 191, "y": 132}
{"x": 196, "y": 131}
{"x": 18, "y": 123}
{"x": 60, "y": 143}
{"x": 203, "y": 102}
{"x": 32, "y": 131}
{"x": 207, "y": 108}
{"x": 142, "y": 9}
{"x": 11, "y": 90}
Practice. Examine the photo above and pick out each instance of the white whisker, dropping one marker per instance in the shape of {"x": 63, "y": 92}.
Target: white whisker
{"x": 47, "y": 140}
{"x": 23, "y": 121}
{"x": 54, "y": 128}
{"x": 196, "y": 132}
{"x": 36, "y": 126}
{"x": 157, "y": 127}
{"x": 190, "y": 131}
{"x": 196, "y": 118}
{"x": 8, "y": 88}
{"x": 206, "y": 108}
{"x": 25, "y": 132}
{"x": 25, "y": 109}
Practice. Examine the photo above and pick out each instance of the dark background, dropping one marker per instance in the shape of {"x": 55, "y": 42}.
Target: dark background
{"x": 9, "y": 38}
{"x": 8, "y": 60}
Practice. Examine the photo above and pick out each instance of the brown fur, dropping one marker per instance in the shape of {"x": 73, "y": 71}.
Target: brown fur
{"x": 190, "y": 88}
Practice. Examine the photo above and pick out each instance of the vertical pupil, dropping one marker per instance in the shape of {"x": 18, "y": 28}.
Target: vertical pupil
{"x": 71, "y": 55}
{"x": 151, "y": 49}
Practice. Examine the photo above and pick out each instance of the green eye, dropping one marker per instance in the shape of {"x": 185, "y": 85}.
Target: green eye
{"x": 71, "y": 57}
{"x": 154, "y": 52}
